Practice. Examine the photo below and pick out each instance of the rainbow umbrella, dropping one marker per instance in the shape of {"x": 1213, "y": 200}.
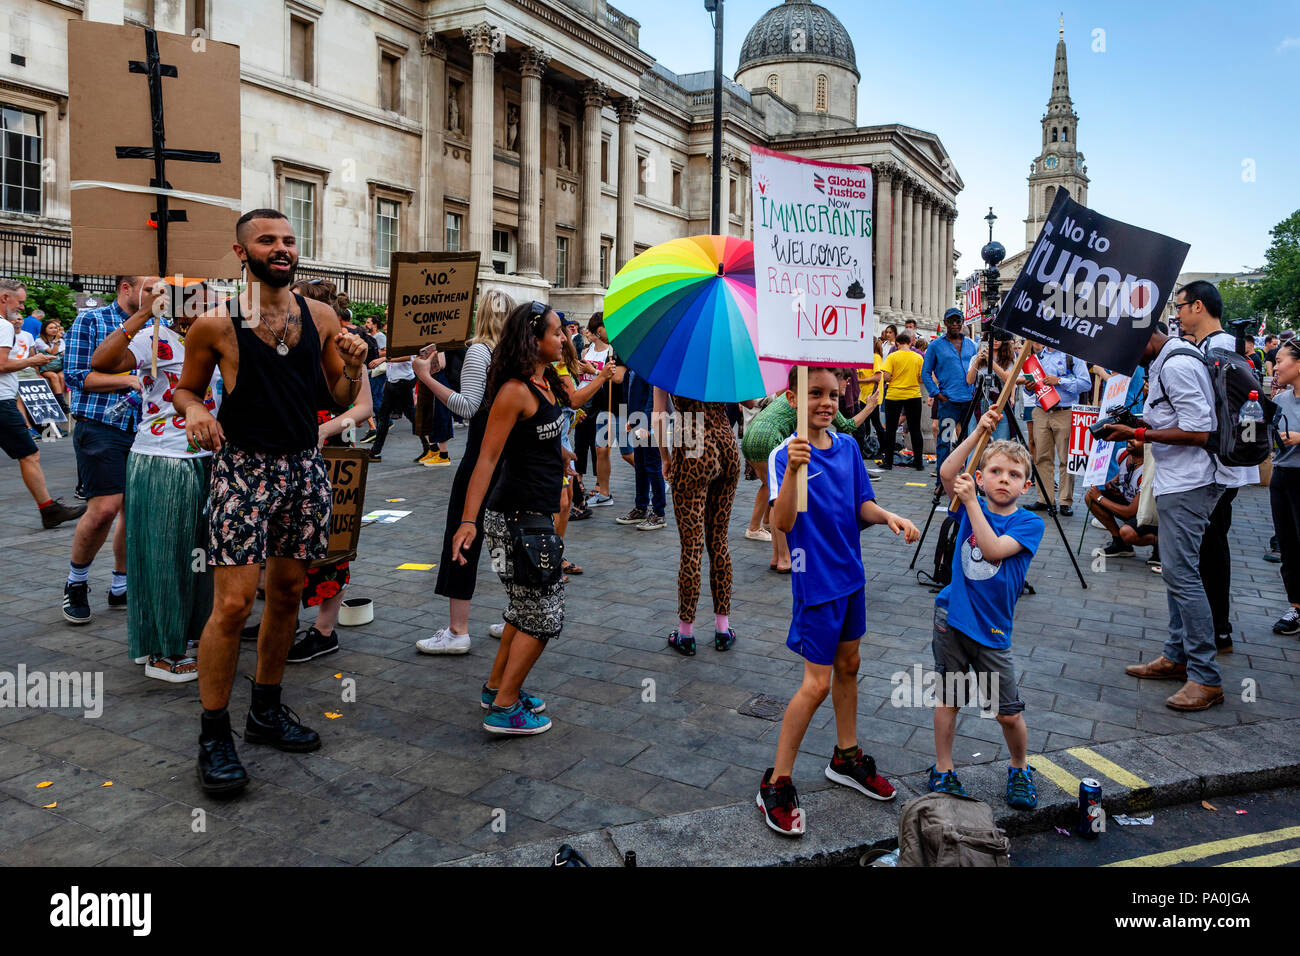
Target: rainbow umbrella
{"x": 682, "y": 315}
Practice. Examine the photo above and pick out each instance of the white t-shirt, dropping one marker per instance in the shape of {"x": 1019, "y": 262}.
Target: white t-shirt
{"x": 162, "y": 431}
{"x": 1189, "y": 406}
{"x": 46, "y": 349}
{"x": 381, "y": 340}
{"x": 21, "y": 346}
{"x": 399, "y": 370}
{"x": 596, "y": 357}
{"x": 1230, "y": 476}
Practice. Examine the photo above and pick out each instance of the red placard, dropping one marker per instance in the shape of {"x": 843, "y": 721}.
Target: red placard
{"x": 1046, "y": 394}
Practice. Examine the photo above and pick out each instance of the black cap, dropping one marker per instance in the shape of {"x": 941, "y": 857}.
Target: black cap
{"x": 953, "y": 313}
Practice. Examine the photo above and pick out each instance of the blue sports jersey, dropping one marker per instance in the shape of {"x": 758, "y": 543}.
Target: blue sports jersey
{"x": 825, "y": 550}
{"x": 981, "y": 600}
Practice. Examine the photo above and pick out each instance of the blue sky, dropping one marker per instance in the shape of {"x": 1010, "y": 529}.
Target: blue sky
{"x": 1182, "y": 95}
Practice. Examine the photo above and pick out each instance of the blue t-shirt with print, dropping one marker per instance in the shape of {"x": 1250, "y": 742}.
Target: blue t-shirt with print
{"x": 825, "y": 548}
{"x": 981, "y": 599}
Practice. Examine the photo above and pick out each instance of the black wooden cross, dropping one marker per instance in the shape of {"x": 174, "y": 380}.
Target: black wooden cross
{"x": 155, "y": 70}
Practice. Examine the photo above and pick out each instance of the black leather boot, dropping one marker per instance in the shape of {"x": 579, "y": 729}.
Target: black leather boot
{"x": 219, "y": 768}
{"x": 271, "y": 722}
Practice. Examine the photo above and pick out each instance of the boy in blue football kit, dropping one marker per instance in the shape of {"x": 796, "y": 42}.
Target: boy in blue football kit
{"x": 830, "y": 611}
{"x": 996, "y": 540}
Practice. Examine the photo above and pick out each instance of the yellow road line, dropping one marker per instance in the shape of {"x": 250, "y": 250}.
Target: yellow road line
{"x": 916, "y": 484}
{"x": 1269, "y": 859}
{"x": 1200, "y": 851}
{"x": 1108, "y": 768}
{"x": 1058, "y": 775}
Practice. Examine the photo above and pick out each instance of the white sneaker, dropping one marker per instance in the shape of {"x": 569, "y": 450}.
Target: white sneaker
{"x": 875, "y": 473}
{"x": 497, "y": 629}
{"x": 759, "y": 535}
{"x": 597, "y": 500}
{"x": 444, "y": 642}
{"x": 1097, "y": 524}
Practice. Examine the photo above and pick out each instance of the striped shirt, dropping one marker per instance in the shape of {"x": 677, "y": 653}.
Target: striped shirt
{"x": 473, "y": 381}
{"x": 85, "y": 335}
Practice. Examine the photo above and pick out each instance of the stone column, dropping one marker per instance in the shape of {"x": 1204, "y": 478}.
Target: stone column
{"x": 927, "y": 257}
{"x": 915, "y": 268}
{"x": 433, "y": 58}
{"x": 952, "y": 265}
{"x": 532, "y": 64}
{"x": 593, "y": 98}
{"x": 942, "y": 287}
{"x": 896, "y": 248}
{"x": 945, "y": 260}
{"x": 550, "y": 185}
{"x": 483, "y": 42}
{"x": 882, "y": 231}
{"x": 907, "y": 252}
{"x": 628, "y": 110}
{"x": 724, "y": 216}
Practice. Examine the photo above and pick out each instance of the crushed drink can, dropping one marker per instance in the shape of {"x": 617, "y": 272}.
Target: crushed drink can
{"x": 1091, "y": 815}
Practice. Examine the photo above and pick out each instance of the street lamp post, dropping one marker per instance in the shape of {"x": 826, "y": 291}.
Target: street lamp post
{"x": 993, "y": 253}
{"x": 715, "y": 7}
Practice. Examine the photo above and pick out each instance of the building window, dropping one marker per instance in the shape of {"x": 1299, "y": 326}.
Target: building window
{"x": 301, "y": 37}
{"x": 387, "y": 223}
{"x": 642, "y": 174}
{"x": 1065, "y": 134}
{"x": 390, "y": 82}
{"x": 731, "y": 195}
{"x": 503, "y": 257}
{"x": 1053, "y": 134}
{"x": 604, "y": 160}
{"x": 821, "y": 93}
{"x": 677, "y": 187}
{"x": 20, "y": 161}
{"x": 453, "y": 224}
{"x": 604, "y": 264}
{"x": 562, "y": 261}
{"x": 300, "y": 208}
{"x": 774, "y": 83}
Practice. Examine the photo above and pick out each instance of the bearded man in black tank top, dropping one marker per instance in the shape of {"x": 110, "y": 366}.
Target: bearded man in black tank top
{"x": 270, "y": 497}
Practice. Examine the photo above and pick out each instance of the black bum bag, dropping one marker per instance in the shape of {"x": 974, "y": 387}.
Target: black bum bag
{"x": 537, "y": 551}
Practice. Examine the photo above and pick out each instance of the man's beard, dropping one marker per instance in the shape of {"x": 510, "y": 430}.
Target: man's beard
{"x": 261, "y": 268}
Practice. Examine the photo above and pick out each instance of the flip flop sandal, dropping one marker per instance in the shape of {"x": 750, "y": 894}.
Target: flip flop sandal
{"x": 721, "y": 641}
{"x": 682, "y": 645}
{"x": 571, "y": 568}
{"x": 174, "y": 670}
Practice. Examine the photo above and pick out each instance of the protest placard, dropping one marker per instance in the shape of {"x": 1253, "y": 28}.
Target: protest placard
{"x": 430, "y": 300}
{"x": 973, "y": 301}
{"x": 1099, "y": 458}
{"x": 1093, "y": 287}
{"x": 1081, "y": 416}
{"x": 347, "y": 473}
{"x": 812, "y": 260}
{"x": 154, "y": 151}
{"x": 1046, "y": 395}
{"x": 38, "y": 398}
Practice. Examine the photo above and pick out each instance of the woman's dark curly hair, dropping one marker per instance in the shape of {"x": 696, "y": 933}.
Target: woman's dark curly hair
{"x": 516, "y": 354}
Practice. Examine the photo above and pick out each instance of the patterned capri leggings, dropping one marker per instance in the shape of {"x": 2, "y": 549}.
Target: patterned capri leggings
{"x": 704, "y": 489}
{"x": 538, "y": 612}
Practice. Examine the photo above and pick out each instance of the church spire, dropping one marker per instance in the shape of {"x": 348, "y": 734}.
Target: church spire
{"x": 1060, "y": 76}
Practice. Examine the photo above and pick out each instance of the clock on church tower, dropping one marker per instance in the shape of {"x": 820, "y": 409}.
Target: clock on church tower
{"x": 1060, "y": 165}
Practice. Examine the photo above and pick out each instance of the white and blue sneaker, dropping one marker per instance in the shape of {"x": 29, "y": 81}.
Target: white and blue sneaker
{"x": 531, "y": 701}
{"x": 515, "y": 720}
{"x": 597, "y": 500}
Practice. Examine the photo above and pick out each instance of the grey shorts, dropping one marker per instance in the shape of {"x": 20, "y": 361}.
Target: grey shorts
{"x": 957, "y": 654}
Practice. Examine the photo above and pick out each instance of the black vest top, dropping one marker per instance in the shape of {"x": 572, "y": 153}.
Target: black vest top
{"x": 532, "y": 476}
{"x": 272, "y": 408}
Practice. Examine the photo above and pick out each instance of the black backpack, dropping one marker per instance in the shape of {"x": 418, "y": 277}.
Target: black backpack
{"x": 944, "y": 552}
{"x": 1232, "y": 379}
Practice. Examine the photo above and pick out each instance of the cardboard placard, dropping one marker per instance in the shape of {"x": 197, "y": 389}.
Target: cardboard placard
{"x": 120, "y": 108}
{"x": 1099, "y": 459}
{"x": 347, "y": 473}
{"x": 430, "y": 300}
{"x": 38, "y": 398}
{"x": 812, "y": 260}
{"x": 1081, "y": 417}
{"x": 1093, "y": 287}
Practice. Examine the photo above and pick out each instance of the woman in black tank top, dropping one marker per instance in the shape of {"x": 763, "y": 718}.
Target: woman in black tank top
{"x": 523, "y": 432}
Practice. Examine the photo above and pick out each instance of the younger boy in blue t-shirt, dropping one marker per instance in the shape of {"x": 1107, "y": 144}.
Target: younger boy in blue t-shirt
{"x": 830, "y": 609}
{"x": 996, "y": 540}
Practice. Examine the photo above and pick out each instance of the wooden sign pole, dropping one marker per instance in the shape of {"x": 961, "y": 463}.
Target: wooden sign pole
{"x": 802, "y": 431}
{"x": 1008, "y": 389}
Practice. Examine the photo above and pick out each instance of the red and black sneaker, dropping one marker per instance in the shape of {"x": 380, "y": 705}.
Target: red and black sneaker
{"x": 779, "y": 804}
{"x": 859, "y": 772}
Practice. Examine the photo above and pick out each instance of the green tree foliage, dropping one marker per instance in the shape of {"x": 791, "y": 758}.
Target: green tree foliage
{"x": 364, "y": 310}
{"x": 55, "y": 299}
{"x": 1279, "y": 293}
{"x": 1238, "y": 300}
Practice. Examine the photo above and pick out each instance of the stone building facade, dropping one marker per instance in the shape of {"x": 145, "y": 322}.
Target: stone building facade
{"x": 536, "y": 131}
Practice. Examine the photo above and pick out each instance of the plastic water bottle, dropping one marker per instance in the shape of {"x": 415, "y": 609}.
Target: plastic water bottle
{"x": 1250, "y": 418}
{"x": 130, "y": 403}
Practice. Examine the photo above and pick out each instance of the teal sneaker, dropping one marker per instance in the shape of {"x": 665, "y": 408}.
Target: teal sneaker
{"x": 531, "y": 701}
{"x": 1021, "y": 792}
{"x": 515, "y": 720}
{"x": 945, "y": 782}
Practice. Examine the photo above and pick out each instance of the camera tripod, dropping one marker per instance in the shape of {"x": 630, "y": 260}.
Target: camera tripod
{"x": 1008, "y": 416}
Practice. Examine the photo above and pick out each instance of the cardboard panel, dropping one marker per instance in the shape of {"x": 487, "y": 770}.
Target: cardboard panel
{"x": 430, "y": 300}
{"x": 347, "y": 471}
{"x": 109, "y": 106}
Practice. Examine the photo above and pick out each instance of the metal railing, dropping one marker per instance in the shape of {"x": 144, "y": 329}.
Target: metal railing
{"x": 359, "y": 286}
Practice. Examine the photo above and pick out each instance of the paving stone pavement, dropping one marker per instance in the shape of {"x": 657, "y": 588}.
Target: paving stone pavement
{"x": 406, "y": 774}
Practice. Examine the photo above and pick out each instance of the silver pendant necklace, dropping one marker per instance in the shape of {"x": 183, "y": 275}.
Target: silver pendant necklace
{"x": 281, "y": 349}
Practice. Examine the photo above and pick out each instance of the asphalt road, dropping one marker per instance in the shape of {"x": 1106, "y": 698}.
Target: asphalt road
{"x": 1252, "y": 829}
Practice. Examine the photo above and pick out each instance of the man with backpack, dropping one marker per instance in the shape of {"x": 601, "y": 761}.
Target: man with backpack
{"x": 1180, "y": 418}
{"x": 1200, "y": 307}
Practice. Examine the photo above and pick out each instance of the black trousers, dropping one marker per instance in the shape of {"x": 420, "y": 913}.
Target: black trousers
{"x": 399, "y": 396}
{"x": 458, "y": 580}
{"x": 1216, "y": 562}
{"x": 584, "y": 441}
{"x": 893, "y": 408}
{"x": 1284, "y": 496}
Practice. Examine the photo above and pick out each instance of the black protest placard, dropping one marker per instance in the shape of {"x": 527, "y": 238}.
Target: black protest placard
{"x": 38, "y": 398}
{"x": 1093, "y": 287}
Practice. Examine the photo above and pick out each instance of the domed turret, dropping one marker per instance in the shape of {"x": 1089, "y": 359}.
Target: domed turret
{"x": 801, "y": 52}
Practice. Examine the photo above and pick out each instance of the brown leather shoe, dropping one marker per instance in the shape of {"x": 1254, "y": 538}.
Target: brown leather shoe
{"x": 1162, "y": 668}
{"x": 1194, "y": 696}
